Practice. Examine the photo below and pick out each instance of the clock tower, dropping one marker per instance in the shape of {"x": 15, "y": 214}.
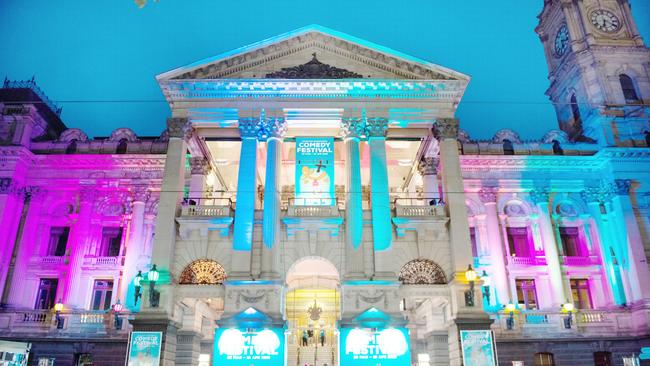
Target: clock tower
{"x": 599, "y": 71}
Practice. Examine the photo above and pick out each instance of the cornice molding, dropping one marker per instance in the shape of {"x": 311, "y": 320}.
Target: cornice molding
{"x": 474, "y": 163}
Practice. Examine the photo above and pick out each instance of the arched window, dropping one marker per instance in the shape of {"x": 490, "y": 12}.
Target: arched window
{"x": 557, "y": 149}
{"x": 544, "y": 359}
{"x": 121, "y": 146}
{"x": 508, "y": 149}
{"x": 203, "y": 272}
{"x": 422, "y": 272}
{"x": 629, "y": 92}
{"x": 575, "y": 111}
{"x": 72, "y": 147}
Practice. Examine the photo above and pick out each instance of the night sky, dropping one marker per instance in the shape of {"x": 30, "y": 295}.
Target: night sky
{"x": 98, "y": 58}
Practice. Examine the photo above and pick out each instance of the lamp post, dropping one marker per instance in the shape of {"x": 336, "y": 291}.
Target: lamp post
{"x": 470, "y": 276}
{"x": 510, "y": 321}
{"x": 117, "y": 308}
{"x": 154, "y": 296}
{"x": 568, "y": 308}
{"x": 138, "y": 287}
{"x": 487, "y": 281}
{"x": 58, "y": 308}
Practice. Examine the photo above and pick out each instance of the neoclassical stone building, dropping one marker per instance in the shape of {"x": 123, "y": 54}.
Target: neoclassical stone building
{"x": 318, "y": 184}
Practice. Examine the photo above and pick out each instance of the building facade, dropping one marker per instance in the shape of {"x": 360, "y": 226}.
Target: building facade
{"x": 318, "y": 184}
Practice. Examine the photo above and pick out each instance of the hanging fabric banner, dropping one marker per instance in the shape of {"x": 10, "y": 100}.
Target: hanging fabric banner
{"x": 314, "y": 171}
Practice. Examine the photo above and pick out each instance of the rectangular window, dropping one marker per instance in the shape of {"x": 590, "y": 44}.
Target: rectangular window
{"x": 580, "y": 293}
{"x": 472, "y": 238}
{"x": 58, "y": 241}
{"x": 518, "y": 241}
{"x": 571, "y": 242}
{"x": 45, "y": 297}
{"x": 111, "y": 242}
{"x": 102, "y": 294}
{"x": 527, "y": 294}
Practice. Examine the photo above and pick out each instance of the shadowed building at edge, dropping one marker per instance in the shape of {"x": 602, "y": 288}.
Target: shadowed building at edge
{"x": 313, "y": 200}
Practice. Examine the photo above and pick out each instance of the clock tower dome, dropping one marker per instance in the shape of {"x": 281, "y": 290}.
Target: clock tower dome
{"x": 599, "y": 71}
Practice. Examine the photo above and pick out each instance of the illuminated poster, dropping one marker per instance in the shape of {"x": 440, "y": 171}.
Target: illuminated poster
{"x": 144, "y": 349}
{"x": 478, "y": 348}
{"x": 235, "y": 347}
{"x": 383, "y": 347}
{"x": 315, "y": 171}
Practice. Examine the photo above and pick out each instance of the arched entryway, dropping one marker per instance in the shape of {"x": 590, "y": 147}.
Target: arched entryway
{"x": 312, "y": 308}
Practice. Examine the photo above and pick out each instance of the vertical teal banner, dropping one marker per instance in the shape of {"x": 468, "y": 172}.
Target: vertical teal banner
{"x": 144, "y": 349}
{"x": 315, "y": 171}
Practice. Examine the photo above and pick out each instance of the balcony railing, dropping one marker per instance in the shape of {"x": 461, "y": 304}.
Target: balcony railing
{"x": 579, "y": 261}
{"x": 527, "y": 261}
{"x": 35, "y": 322}
{"x": 49, "y": 260}
{"x": 418, "y": 207}
{"x": 103, "y": 261}
{"x": 207, "y": 207}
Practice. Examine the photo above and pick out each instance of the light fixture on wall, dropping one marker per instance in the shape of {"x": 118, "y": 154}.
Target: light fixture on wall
{"x": 568, "y": 308}
{"x": 510, "y": 321}
{"x": 58, "y": 308}
{"x": 117, "y": 308}
{"x": 154, "y": 296}
{"x": 137, "y": 283}
{"x": 470, "y": 276}
{"x": 487, "y": 281}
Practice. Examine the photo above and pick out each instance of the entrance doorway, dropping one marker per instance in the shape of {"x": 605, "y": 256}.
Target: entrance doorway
{"x": 312, "y": 309}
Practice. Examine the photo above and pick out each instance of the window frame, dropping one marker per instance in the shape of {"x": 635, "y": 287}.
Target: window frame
{"x": 106, "y": 293}
{"x": 540, "y": 361}
{"x": 56, "y": 247}
{"x": 52, "y": 289}
{"x": 581, "y": 284}
{"x": 627, "y": 89}
{"x": 110, "y": 236}
{"x": 525, "y": 286}
{"x": 512, "y": 245}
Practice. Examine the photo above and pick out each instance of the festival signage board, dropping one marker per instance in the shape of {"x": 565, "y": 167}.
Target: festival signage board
{"x": 478, "y": 348}
{"x": 245, "y": 347}
{"x": 377, "y": 347}
{"x": 144, "y": 349}
{"x": 314, "y": 171}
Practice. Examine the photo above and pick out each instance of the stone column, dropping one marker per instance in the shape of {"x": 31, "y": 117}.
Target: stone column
{"x": 428, "y": 168}
{"x": 135, "y": 246}
{"x": 488, "y": 195}
{"x": 246, "y": 180}
{"x": 382, "y": 227}
{"x": 633, "y": 259}
{"x": 559, "y": 292}
{"x": 77, "y": 247}
{"x": 463, "y": 317}
{"x": 13, "y": 206}
{"x": 274, "y": 128}
{"x": 199, "y": 167}
{"x": 352, "y": 130}
{"x": 595, "y": 198}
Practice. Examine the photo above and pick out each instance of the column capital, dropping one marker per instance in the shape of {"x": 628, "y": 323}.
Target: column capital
{"x": 352, "y": 127}
{"x": 596, "y": 194}
{"x": 249, "y": 127}
{"x": 141, "y": 194}
{"x": 272, "y": 127}
{"x": 428, "y": 165}
{"x": 199, "y": 165}
{"x": 376, "y": 126}
{"x": 87, "y": 194}
{"x": 539, "y": 195}
{"x": 179, "y": 127}
{"x": 488, "y": 194}
{"x": 622, "y": 187}
{"x": 9, "y": 186}
{"x": 447, "y": 128}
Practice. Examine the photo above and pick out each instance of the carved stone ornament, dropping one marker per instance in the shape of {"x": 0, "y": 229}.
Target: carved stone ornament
{"x": 567, "y": 209}
{"x": 596, "y": 194}
{"x": 447, "y": 128}
{"x": 515, "y": 210}
{"x": 73, "y": 134}
{"x": 622, "y": 186}
{"x": 8, "y": 187}
{"x": 352, "y": 127}
{"x": 249, "y": 127}
{"x": 539, "y": 195}
{"x": 203, "y": 272}
{"x": 557, "y": 135}
{"x": 488, "y": 194}
{"x": 506, "y": 134}
{"x": 199, "y": 165}
{"x": 463, "y": 136}
{"x": 376, "y": 127}
{"x": 274, "y": 127}
{"x": 179, "y": 127}
{"x": 123, "y": 133}
{"x": 428, "y": 166}
{"x": 313, "y": 69}
{"x": 422, "y": 272}
{"x": 141, "y": 194}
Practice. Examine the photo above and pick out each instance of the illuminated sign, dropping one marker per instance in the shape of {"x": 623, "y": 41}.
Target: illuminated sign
{"x": 478, "y": 348}
{"x": 382, "y": 347}
{"x": 144, "y": 349}
{"x": 314, "y": 171}
{"x": 249, "y": 347}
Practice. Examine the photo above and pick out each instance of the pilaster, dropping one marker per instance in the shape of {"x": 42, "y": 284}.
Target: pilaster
{"x": 77, "y": 248}
{"x": 488, "y": 195}
{"x": 382, "y": 228}
{"x": 352, "y": 128}
{"x": 135, "y": 246}
{"x": 249, "y": 129}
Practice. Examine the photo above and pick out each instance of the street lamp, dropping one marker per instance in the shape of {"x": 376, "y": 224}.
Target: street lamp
{"x": 568, "y": 308}
{"x": 487, "y": 281}
{"x": 510, "y": 321}
{"x": 154, "y": 296}
{"x": 138, "y": 287}
{"x": 58, "y": 308}
{"x": 117, "y": 308}
{"x": 470, "y": 276}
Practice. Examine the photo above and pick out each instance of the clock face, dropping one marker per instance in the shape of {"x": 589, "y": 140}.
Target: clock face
{"x": 605, "y": 20}
{"x": 561, "y": 41}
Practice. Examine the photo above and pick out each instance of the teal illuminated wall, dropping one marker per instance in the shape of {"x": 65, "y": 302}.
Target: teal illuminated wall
{"x": 383, "y": 347}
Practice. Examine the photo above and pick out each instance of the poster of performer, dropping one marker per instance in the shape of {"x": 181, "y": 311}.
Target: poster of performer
{"x": 478, "y": 348}
{"x": 315, "y": 171}
{"x": 144, "y": 349}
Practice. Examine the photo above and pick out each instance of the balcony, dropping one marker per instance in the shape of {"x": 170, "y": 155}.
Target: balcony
{"x": 579, "y": 261}
{"x": 49, "y": 261}
{"x": 301, "y": 217}
{"x": 39, "y": 323}
{"x": 526, "y": 261}
{"x": 418, "y": 214}
{"x": 205, "y": 214}
{"x": 103, "y": 262}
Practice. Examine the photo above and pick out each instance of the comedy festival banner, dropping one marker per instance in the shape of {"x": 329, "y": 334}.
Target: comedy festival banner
{"x": 144, "y": 349}
{"x": 380, "y": 347}
{"x": 314, "y": 171}
{"x": 245, "y": 347}
{"x": 478, "y": 348}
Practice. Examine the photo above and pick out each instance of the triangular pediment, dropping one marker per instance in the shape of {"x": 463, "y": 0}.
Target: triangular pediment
{"x": 313, "y": 52}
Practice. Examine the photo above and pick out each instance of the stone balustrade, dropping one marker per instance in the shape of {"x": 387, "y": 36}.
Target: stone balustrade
{"x": 103, "y": 261}
{"x": 42, "y": 322}
{"x": 206, "y": 211}
{"x": 527, "y": 261}
{"x": 579, "y": 261}
{"x": 313, "y": 211}
{"x": 49, "y": 260}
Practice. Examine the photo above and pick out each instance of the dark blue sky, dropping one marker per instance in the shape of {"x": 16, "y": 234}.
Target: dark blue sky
{"x": 99, "y": 58}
